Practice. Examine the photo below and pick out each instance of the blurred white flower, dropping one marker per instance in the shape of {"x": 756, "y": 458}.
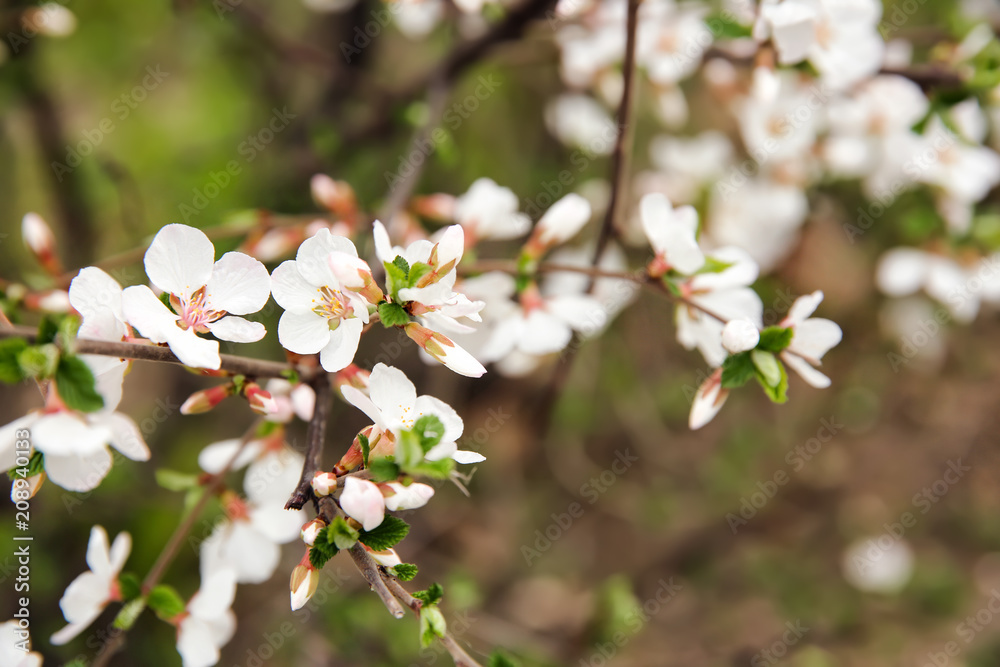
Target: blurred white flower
{"x": 882, "y": 564}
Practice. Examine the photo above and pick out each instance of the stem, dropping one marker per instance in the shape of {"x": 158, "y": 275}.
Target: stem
{"x": 373, "y": 575}
{"x": 458, "y": 654}
{"x": 315, "y": 437}
{"x": 169, "y": 552}
{"x": 231, "y": 363}
{"x": 623, "y": 142}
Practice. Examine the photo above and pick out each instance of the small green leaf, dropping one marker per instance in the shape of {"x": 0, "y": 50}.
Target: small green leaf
{"x": 365, "y": 448}
{"x": 320, "y": 552}
{"x": 434, "y": 469}
{"x": 165, "y": 601}
{"x": 384, "y": 469}
{"x": 129, "y": 586}
{"x": 777, "y": 392}
{"x": 291, "y": 375}
{"x": 401, "y": 264}
{"x": 723, "y": 27}
{"x": 397, "y": 276}
{"x": 173, "y": 480}
{"x": 129, "y": 614}
{"x": 432, "y": 625}
{"x": 39, "y": 361}
{"x": 392, "y": 315}
{"x": 48, "y": 329}
{"x": 767, "y": 366}
{"x": 498, "y": 659}
{"x": 388, "y": 534}
{"x": 430, "y": 429}
{"x": 775, "y": 339}
{"x": 10, "y": 369}
{"x": 404, "y": 571}
{"x": 409, "y": 453}
{"x": 432, "y": 595}
{"x": 713, "y": 265}
{"x": 418, "y": 271}
{"x": 165, "y": 300}
{"x": 339, "y": 534}
{"x": 76, "y": 385}
{"x": 36, "y": 464}
{"x": 737, "y": 370}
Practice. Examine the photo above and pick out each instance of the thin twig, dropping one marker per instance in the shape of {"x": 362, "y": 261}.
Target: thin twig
{"x": 172, "y": 547}
{"x": 458, "y": 654}
{"x": 315, "y": 437}
{"x": 369, "y": 568}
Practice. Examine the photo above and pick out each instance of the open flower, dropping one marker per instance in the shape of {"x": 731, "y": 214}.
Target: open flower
{"x": 205, "y": 295}
{"x": 393, "y": 405}
{"x": 207, "y": 623}
{"x": 88, "y": 595}
{"x": 812, "y": 338}
{"x": 673, "y": 234}
{"x": 14, "y": 643}
{"x": 321, "y": 314}
{"x": 489, "y": 211}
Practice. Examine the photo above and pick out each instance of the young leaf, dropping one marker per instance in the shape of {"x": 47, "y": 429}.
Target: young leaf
{"x": 320, "y": 552}
{"x": 418, "y": 271}
{"x": 737, "y": 370}
{"x": 777, "y": 392}
{"x": 432, "y": 625}
{"x": 129, "y": 586}
{"x": 36, "y": 464}
{"x": 10, "y": 369}
{"x": 432, "y": 595}
{"x": 392, "y": 315}
{"x": 767, "y": 366}
{"x": 498, "y": 659}
{"x": 76, "y": 385}
{"x": 165, "y": 601}
{"x": 384, "y": 469}
{"x": 775, "y": 339}
{"x": 173, "y": 480}
{"x": 48, "y": 329}
{"x": 430, "y": 429}
{"x": 434, "y": 469}
{"x": 39, "y": 361}
{"x": 339, "y": 534}
{"x": 388, "y": 534}
{"x": 397, "y": 275}
{"x": 404, "y": 571}
{"x": 409, "y": 453}
{"x": 365, "y": 448}
{"x": 127, "y": 616}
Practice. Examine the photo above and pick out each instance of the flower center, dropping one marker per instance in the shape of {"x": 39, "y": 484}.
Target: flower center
{"x": 192, "y": 313}
{"x": 333, "y": 304}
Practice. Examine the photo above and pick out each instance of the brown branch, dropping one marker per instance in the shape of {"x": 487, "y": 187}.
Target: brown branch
{"x": 458, "y": 654}
{"x": 169, "y": 552}
{"x": 142, "y": 352}
{"x": 373, "y": 575}
{"x": 315, "y": 437}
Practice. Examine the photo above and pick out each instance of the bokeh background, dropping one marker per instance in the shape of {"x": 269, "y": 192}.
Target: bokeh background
{"x": 659, "y": 525}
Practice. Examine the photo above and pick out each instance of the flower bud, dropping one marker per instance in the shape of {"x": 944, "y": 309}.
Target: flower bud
{"x": 707, "y": 401}
{"x": 740, "y": 335}
{"x": 561, "y": 222}
{"x": 304, "y": 582}
{"x": 260, "y": 401}
{"x": 439, "y": 207}
{"x": 311, "y": 530}
{"x": 38, "y": 238}
{"x": 387, "y": 558}
{"x": 444, "y": 350}
{"x": 336, "y": 196}
{"x": 324, "y": 483}
{"x": 206, "y": 399}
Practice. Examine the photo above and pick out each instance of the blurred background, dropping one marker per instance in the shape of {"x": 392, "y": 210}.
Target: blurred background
{"x": 744, "y": 543}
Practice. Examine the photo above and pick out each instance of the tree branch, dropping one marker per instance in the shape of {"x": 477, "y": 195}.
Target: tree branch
{"x": 315, "y": 437}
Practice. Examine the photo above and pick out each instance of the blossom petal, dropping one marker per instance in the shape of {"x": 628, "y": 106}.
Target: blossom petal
{"x": 544, "y": 333}
{"x": 362, "y": 402}
{"x": 239, "y": 284}
{"x": 408, "y": 497}
{"x": 707, "y": 401}
{"x": 120, "y": 549}
{"x": 126, "y": 436}
{"x": 339, "y": 352}
{"x": 98, "y": 552}
{"x": 63, "y": 434}
{"x": 902, "y": 271}
{"x": 237, "y": 330}
{"x": 214, "y": 457}
{"x": 453, "y": 424}
{"x": 147, "y": 313}
{"x": 803, "y": 307}
{"x": 196, "y": 643}
{"x": 215, "y": 596}
{"x": 277, "y": 524}
{"x": 312, "y": 257}
{"x": 815, "y": 337}
{"x": 465, "y": 456}
{"x": 93, "y": 291}
{"x": 583, "y": 313}
{"x": 8, "y": 439}
{"x": 78, "y": 473}
{"x": 291, "y": 290}
{"x": 564, "y": 219}
{"x": 193, "y": 350}
{"x": 806, "y": 371}
{"x": 363, "y": 502}
{"x": 303, "y": 333}
{"x": 179, "y": 259}
{"x": 393, "y": 393}
{"x": 272, "y": 477}
{"x": 239, "y": 546}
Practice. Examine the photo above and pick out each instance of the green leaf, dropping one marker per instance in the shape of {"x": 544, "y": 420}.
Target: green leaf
{"x": 10, "y": 369}
{"x": 165, "y": 300}
{"x": 36, "y": 464}
{"x": 499, "y": 659}
{"x": 129, "y": 585}
{"x": 48, "y": 329}
{"x": 713, "y": 265}
{"x": 339, "y": 534}
{"x": 39, "y": 361}
{"x": 723, "y": 27}
{"x": 129, "y": 614}
{"x": 418, "y": 271}
{"x": 430, "y": 430}
{"x": 672, "y": 287}
{"x": 778, "y": 392}
{"x": 392, "y": 315}
{"x": 432, "y": 625}
{"x": 174, "y": 480}
{"x": 384, "y": 469}
{"x": 737, "y": 370}
{"x": 76, "y": 385}
{"x": 388, "y": 534}
{"x": 165, "y": 601}
{"x": 320, "y": 552}
{"x": 365, "y": 448}
{"x": 775, "y": 339}
{"x": 432, "y": 595}
{"x": 397, "y": 275}
{"x": 409, "y": 453}
{"x": 767, "y": 366}
{"x": 434, "y": 469}
{"x": 404, "y": 571}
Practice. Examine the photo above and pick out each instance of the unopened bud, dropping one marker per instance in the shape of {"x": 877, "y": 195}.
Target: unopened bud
{"x": 206, "y": 399}
{"x": 324, "y": 483}
{"x": 304, "y": 582}
{"x": 38, "y": 238}
{"x": 311, "y": 530}
{"x": 439, "y": 207}
{"x": 336, "y": 196}
{"x": 260, "y": 400}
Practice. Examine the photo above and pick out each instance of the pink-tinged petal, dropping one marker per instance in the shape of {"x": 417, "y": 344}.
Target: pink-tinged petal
{"x": 350, "y": 270}
{"x": 383, "y": 247}
{"x": 304, "y": 583}
{"x": 147, "y": 313}
{"x": 303, "y": 333}
{"x": 387, "y": 558}
{"x": 563, "y": 219}
{"x": 339, "y": 352}
{"x": 94, "y": 291}
{"x": 62, "y": 434}
{"x": 215, "y": 596}
{"x": 239, "y": 285}
{"x": 815, "y": 337}
{"x": 120, "y": 549}
{"x": 196, "y": 643}
{"x": 806, "y": 370}
{"x": 803, "y": 307}
{"x": 8, "y": 440}
{"x": 707, "y": 401}
{"x": 98, "y": 559}
{"x": 464, "y": 456}
{"x": 313, "y": 255}
{"x": 672, "y": 232}
{"x": 193, "y": 350}
{"x": 408, "y": 497}
{"x": 393, "y": 393}
{"x": 303, "y": 401}
{"x": 457, "y": 359}
{"x": 362, "y": 402}
{"x": 180, "y": 259}
{"x": 902, "y": 271}
{"x": 272, "y": 477}
{"x": 363, "y": 502}
{"x": 213, "y": 458}
{"x": 544, "y": 333}
{"x": 291, "y": 290}
{"x": 237, "y": 330}
{"x": 740, "y": 335}
{"x": 453, "y": 424}
{"x": 277, "y": 524}
{"x": 242, "y": 548}
{"x": 126, "y": 436}
{"x": 451, "y": 245}
{"x": 78, "y": 473}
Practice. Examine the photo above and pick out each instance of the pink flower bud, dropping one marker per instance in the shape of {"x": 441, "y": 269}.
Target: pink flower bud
{"x": 311, "y": 530}
{"x": 206, "y": 399}
{"x": 260, "y": 401}
{"x": 304, "y": 582}
{"x": 38, "y": 238}
{"x": 444, "y": 350}
{"x": 324, "y": 483}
